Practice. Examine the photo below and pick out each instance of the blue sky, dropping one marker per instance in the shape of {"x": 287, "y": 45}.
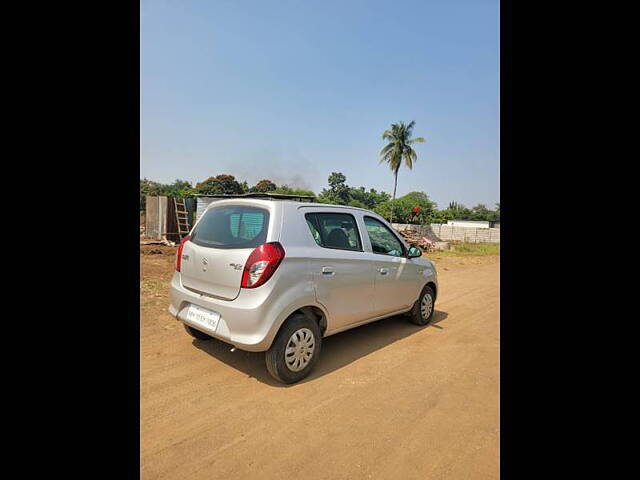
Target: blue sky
{"x": 293, "y": 90}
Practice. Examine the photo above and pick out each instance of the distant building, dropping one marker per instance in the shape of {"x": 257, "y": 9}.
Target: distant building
{"x": 471, "y": 223}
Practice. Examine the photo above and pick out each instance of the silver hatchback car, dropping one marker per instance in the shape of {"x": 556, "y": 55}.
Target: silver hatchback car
{"x": 278, "y": 276}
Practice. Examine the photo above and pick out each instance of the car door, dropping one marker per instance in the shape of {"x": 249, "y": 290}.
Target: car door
{"x": 395, "y": 275}
{"x": 343, "y": 275}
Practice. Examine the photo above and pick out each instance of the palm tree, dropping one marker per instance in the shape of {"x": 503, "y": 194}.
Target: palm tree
{"x": 399, "y": 148}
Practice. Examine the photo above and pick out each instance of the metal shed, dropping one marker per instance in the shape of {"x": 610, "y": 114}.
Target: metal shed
{"x": 160, "y": 217}
{"x": 201, "y": 205}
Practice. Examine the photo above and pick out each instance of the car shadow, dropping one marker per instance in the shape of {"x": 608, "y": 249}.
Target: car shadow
{"x": 338, "y": 350}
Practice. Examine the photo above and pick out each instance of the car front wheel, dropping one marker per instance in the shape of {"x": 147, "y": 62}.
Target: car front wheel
{"x": 424, "y": 308}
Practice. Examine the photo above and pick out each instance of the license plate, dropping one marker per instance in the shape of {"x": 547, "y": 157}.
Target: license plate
{"x": 205, "y": 317}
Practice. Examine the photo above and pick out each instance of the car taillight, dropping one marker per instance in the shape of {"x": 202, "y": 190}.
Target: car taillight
{"x": 261, "y": 264}
{"x": 179, "y": 252}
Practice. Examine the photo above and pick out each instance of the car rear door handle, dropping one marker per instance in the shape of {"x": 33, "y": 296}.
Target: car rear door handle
{"x": 383, "y": 271}
{"x": 328, "y": 271}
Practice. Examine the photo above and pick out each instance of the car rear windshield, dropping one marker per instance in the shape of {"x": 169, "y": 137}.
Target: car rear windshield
{"x": 232, "y": 227}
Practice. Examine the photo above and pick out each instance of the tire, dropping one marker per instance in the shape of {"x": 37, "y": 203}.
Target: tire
{"x": 308, "y": 338}
{"x": 196, "y": 333}
{"x": 416, "y": 314}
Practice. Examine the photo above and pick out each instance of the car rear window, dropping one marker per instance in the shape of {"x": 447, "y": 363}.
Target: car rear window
{"x": 334, "y": 230}
{"x": 232, "y": 227}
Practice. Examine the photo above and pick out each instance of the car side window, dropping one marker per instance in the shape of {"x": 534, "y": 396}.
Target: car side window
{"x": 382, "y": 240}
{"x": 314, "y": 232}
{"x": 334, "y": 230}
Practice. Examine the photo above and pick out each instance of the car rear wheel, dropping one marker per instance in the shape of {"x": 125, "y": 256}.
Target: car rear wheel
{"x": 295, "y": 350}
{"x": 196, "y": 333}
{"x": 424, "y": 308}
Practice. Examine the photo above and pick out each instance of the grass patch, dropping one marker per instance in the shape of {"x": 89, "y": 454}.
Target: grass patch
{"x": 468, "y": 250}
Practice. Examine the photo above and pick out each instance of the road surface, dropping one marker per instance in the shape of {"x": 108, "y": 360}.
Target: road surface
{"x": 387, "y": 400}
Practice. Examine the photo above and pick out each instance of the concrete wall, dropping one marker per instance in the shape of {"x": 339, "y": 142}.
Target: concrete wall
{"x": 445, "y": 233}
{"x": 156, "y": 217}
{"x": 468, "y": 223}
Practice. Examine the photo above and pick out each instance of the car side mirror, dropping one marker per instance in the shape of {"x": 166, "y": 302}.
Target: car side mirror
{"x": 415, "y": 252}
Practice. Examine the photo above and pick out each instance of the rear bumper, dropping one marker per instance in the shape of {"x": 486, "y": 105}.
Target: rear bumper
{"x": 244, "y": 322}
{"x": 250, "y": 321}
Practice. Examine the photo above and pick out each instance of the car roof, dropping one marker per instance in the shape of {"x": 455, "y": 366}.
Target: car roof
{"x": 329, "y": 205}
{"x": 260, "y": 199}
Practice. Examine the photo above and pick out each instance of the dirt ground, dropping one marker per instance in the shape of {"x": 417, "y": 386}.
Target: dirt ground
{"x": 387, "y": 400}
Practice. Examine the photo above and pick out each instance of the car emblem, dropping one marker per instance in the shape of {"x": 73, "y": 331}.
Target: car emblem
{"x": 205, "y": 261}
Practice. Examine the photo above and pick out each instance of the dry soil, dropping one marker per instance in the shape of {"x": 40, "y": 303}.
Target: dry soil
{"x": 388, "y": 400}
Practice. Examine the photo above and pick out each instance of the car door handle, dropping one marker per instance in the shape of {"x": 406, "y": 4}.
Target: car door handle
{"x": 328, "y": 271}
{"x": 383, "y": 271}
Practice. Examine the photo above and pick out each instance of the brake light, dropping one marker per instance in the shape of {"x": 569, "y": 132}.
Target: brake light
{"x": 261, "y": 264}
{"x": 179, "y": 252}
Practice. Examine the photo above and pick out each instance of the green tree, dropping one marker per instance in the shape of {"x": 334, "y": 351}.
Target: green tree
{"x": 495, "y": 215}
{"x": 220, "y": 184}
{"x": 338, "y": 192}
{"x": 287, "y": 190}
{"x": 147, "y": 187}
{"x": 179, "y": 188}
{"x": 440, "y": 216}
{"x": 480, "y": 212}
{"x": 455, "y": 211}
{"x": 401, "y": 209}
{"x": 264, "y": 186}
{"x": 370, "y": 199}
{"x": 399, "y": 148}
{"x": 357, "y": 203}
